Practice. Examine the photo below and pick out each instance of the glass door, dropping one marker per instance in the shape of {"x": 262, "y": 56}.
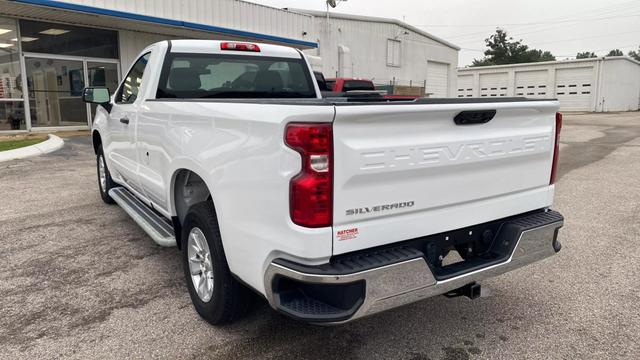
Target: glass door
{"x": 55, "y": 91}
{"x": 12, "y": 115}
{"x": 102, "y": 73}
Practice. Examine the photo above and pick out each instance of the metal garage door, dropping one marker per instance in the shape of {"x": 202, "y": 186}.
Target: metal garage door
{"x": 492, "y": 85}
{"x": 533, "y": 84}
{"x": 437, "y": 79}
{"x": 465, "y": 86}
{"x": 574, "y": 88}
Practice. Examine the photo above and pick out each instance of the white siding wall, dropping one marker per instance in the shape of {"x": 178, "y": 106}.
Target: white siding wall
{"x": 367, "y": 42}
{"x": 132, "y": 43}
{"x": 232, "y": 14}
{"x": 620, "y": 86}
{"x": 612, "y": 84}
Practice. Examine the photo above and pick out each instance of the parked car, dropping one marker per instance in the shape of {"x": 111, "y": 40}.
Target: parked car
{"x": 331, "y": 209}
{"x": 355, "y": 85}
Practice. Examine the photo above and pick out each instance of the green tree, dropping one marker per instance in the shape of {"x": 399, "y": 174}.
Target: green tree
{"x": 503, "y": 49}
{"x": 615, "y": 52}
{"x": 586, "y": 55}
{"x": 635, "y": 54}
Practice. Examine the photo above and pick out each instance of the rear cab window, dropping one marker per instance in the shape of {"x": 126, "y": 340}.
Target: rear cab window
{"x": 210, "y": 76}
{"x": 357, "y": 85}
{"x": 331, "y": 84}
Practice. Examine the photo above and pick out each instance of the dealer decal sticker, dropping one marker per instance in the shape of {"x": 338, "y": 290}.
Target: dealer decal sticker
{"x": 347, "y": 234}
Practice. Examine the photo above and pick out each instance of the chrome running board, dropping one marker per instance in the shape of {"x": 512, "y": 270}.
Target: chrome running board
{"x": 153, "y": 224}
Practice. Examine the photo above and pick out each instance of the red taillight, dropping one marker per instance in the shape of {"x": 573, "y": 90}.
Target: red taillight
{"x": 236, "y": 46}
{"x": 556, "y": 149}
{"x": 311, "y": 191}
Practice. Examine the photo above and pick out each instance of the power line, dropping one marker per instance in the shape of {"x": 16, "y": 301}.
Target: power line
{"x": 541, "y": 43}
{"x": 606, "y": 10}
{"x": 609, "y": 11}
{"x": 534, "y": 43}
{"x": 533, "y": 23}
{"x": 605, "y": 49}
{"x": 464, "y": 36}
{"x": 588, "y": 37}
{"x": 574, "y": 53}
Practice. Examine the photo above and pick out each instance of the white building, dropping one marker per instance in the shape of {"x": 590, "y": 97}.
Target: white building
{"x": 50, "y": 50}
{"x": 385, "y": 50}
{"x": 598, "y": 84}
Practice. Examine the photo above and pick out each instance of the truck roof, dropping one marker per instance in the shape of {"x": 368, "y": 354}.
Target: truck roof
{"x": 350, "y": 79}
{"x": 214, "y": 47}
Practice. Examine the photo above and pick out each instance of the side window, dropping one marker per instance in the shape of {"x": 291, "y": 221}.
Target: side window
{"x": 128, "y": 92}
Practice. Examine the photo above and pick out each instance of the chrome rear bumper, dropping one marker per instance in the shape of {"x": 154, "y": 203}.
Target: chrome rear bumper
{"x": 408, "y": 281}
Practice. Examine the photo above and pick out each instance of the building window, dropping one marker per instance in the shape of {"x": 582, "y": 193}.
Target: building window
{"x": 11, "y": 95}
{"x": 394, "y": 49}
{"x": 61, "y": 39}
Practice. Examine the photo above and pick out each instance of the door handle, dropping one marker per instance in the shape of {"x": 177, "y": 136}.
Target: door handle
{"x": 124, "y": 120}
{"x": 474, "y": 117}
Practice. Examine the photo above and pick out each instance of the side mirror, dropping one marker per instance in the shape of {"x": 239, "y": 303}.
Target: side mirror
{"x": 96, "y": 95}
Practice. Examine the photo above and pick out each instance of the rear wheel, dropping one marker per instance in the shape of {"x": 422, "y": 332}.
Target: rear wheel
{"x": 216, "y": 295}
{"x": 105, "y": 183}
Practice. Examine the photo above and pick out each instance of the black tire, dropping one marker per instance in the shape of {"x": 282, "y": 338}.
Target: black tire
{"x": 109, "y": 184}
{"x": 230, "y": 299}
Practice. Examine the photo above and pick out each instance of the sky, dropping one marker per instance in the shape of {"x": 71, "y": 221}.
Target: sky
{"x": 564, "y": 27}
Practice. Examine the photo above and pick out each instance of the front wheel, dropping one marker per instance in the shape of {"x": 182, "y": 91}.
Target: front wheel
{"x": 217, "y": 296}
{"x": 105, "y": 183}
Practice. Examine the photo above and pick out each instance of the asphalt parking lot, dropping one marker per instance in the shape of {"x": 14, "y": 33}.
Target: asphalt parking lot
{"x": 80, "y": 279}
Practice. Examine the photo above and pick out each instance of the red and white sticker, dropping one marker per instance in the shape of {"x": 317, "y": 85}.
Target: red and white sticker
{"x": 347, "y": 234}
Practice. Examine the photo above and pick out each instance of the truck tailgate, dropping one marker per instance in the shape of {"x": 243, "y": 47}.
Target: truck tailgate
{"x": 408, "y": 170}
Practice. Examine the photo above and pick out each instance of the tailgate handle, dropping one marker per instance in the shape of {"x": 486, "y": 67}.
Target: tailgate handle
{"x": 474, "y": 117}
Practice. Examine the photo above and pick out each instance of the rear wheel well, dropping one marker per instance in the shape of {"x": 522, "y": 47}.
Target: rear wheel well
{"x": 188, "y": 190}
{"x": 96, "y": 140}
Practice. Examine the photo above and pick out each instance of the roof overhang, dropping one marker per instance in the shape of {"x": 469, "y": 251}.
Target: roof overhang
{"x": 74, "y": 14}
{"x": 320, "y": 14}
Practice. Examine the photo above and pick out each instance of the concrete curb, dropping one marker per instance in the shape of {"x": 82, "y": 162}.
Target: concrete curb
{"x": 53, "y": 143}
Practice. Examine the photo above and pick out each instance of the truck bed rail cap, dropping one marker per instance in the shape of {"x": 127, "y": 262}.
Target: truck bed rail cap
{"x": 213, "y": 47}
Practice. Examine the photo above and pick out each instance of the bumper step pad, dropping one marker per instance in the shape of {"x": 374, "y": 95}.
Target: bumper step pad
{"x": 356, "y": 262}
{"x": 537, "y": 220}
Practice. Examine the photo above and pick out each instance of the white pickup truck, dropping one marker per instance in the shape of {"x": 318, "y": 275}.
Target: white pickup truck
{"x": 330, "y": 208}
